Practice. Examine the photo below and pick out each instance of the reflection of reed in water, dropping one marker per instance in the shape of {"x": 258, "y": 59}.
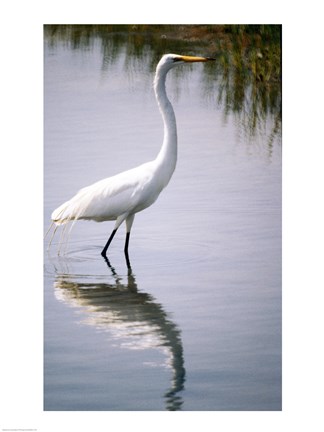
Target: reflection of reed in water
{"x": 244, "y": 81}
{"x": 134, "y": 319}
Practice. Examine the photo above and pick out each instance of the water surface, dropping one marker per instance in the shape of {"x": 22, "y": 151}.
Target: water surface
{"x": 195, "y": 324}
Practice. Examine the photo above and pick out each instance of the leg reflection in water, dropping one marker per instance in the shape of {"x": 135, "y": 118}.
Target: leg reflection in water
{"x": 134, "y": 318}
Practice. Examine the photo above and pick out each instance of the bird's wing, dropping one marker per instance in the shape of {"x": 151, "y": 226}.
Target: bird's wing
{"x": 107, "y": 198}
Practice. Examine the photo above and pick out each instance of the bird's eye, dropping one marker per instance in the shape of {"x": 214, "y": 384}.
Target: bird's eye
{"x": 176, "y": 59}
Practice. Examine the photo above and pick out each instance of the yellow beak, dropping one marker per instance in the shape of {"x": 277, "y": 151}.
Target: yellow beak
{"x": 195, "y": 59}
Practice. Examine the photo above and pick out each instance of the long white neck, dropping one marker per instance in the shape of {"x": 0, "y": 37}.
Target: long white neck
{"x": 167, "y": 157}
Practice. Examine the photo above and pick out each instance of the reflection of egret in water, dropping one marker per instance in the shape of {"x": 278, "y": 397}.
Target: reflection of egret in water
{"x": 133, "y": 318}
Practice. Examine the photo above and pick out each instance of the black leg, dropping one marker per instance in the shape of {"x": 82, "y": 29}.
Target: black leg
{"x": 104, "y": 250}
{"x": 126, "y": 250}
{"x": 126, "y": 243}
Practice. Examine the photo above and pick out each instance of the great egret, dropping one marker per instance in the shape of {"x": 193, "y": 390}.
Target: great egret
{"x": 120, "y": 197}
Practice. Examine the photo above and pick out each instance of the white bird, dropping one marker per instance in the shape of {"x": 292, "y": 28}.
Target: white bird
{"x": 121, "y": 196}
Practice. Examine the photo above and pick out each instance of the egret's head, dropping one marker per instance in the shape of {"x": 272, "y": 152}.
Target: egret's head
{"x": 168, "y": 61}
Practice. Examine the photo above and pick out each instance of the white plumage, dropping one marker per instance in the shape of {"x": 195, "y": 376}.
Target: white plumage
{"x": 122, "y": 196}
{"x": 107, "y": 199}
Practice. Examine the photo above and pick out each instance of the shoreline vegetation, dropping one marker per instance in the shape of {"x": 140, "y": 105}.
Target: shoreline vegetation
{"x": 247, "y": 71}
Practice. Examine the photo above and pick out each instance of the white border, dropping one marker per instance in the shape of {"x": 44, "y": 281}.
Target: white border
{"x": 21, "y": 224}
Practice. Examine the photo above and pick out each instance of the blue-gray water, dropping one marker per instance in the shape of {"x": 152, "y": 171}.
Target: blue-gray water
{"x": 196, "y": 323}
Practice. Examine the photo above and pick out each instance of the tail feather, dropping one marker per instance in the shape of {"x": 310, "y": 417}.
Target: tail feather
{"x": 63, "y": 214}
{"x": 73, "y": 209}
